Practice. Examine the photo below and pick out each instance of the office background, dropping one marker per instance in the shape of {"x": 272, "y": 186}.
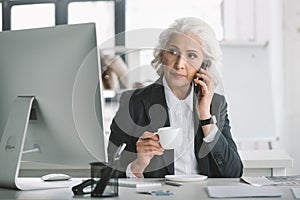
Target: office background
{"x": 259, "y": 39}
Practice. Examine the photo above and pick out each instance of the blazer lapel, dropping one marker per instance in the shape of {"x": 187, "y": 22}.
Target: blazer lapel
{"x": 157, "y": 107}
{"x": 159, "y": 117}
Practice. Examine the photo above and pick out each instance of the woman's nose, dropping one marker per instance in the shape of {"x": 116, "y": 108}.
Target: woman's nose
{"x": 180, "y": 62}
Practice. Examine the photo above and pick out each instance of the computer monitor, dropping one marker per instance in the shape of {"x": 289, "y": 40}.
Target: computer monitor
{"x": 50, "y": 107}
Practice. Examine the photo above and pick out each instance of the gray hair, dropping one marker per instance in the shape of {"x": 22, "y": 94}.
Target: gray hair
{"x": 202, "y": 30}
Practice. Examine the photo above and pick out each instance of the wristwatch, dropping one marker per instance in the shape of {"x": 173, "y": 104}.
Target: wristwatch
{"x": 211, "y": 120}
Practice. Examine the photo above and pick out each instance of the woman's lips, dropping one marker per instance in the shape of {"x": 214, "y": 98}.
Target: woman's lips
{"x": 177, "y": 75}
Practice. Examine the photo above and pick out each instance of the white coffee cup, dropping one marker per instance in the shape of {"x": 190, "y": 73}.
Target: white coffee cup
{"x": 170, "y": 137}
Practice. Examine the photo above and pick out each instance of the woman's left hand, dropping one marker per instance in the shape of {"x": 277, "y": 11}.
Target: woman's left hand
{"x": 206, "y": 93}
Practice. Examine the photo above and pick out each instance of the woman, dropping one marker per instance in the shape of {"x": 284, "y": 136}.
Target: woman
{"x": 208, "y": 147}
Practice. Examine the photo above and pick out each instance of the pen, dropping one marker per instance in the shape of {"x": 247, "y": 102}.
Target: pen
{"x": 157, "y": 192}
{"x": 174, "y": 183}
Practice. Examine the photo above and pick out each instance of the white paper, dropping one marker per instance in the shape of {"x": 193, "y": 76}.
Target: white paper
{"x": 296, "y": 192}
{"x": 258, "y": 181}
{"x": 272, "y": 180}
{"x": 243, "y": 191}
{"x": 138, "y": 183}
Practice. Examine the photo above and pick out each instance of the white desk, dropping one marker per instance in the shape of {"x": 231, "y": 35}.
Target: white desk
{"x": 189, "y": 191}
{"x": 256, "y": 163}
{"x": 266, "y": 162}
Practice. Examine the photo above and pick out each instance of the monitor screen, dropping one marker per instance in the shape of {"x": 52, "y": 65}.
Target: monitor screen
{"x": 58, "y": 67}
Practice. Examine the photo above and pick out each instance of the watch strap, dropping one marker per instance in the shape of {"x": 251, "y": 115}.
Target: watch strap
{"x": 210, "y": 120}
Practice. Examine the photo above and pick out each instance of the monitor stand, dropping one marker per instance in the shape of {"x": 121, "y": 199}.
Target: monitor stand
{"x": 11, "y": 148}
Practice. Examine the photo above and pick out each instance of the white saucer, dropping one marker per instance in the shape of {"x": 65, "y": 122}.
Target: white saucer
{"x": 186, "y": 178}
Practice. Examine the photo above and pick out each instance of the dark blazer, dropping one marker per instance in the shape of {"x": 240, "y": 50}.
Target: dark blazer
{"x": 146, "y": 109}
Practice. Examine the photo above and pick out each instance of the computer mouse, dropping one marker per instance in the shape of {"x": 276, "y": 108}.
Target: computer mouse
{"x": 56, "y": 177}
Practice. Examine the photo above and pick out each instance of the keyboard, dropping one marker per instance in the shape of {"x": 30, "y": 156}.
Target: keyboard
{"x": 135, "y": 183}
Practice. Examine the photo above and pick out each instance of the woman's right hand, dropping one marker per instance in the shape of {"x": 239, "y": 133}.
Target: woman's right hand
{"x": 147, "y": 146}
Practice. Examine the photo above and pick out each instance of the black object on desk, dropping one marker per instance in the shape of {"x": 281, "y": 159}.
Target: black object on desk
{"x": 107, "y": 186}
{"x": 173, "y": 183}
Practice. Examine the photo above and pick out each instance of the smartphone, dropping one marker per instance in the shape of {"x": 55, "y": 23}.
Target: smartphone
{"x": 205, "y": 64}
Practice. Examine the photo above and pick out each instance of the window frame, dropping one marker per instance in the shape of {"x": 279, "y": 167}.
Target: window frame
{"x": 61, "y": 13}
{"x": 219, "y": 29}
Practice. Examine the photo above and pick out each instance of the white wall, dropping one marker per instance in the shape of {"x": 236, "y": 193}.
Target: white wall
{"x": 253, "y": 89}
{"x": 291, "y": 132}
{"x": 282, "y": 19}
{"x": 248, "y": 89}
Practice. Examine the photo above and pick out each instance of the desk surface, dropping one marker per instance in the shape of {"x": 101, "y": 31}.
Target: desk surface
{"x": 189, "y": 191}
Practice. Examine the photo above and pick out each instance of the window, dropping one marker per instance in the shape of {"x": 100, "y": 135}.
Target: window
{"x": 240, "y": 22}
{"x": 102, "y": 13}
{"x": 32, "y": 16}
{"x": 160, "y": 14}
